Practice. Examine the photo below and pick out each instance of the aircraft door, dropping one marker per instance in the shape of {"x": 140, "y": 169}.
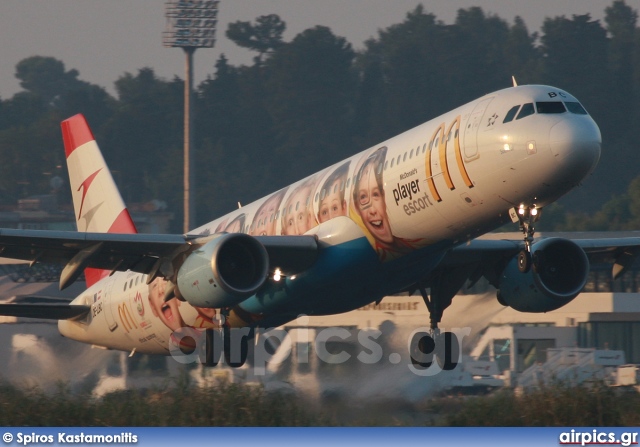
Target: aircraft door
{"x": 471, "y": 129}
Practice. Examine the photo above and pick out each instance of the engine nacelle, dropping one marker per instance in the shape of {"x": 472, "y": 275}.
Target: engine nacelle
{"x": 224, "y": 271}
{"x": 559, "y": 272}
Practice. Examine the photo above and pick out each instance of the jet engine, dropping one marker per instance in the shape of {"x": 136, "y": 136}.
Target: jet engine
{"x": 559, "y": 272}
{"x": 224, "y": 271}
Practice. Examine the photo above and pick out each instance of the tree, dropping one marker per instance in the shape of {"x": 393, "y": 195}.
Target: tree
{"x": 143, "y": 139}
{"x": 522, "y": 58}
{"x": 232, "y": 129}
{"x": 309, "y": 90}
{"x": 621, "y": 26}
{"x": 479, "y": 46}
{"x": 403, "y": 73}
{"x": 46, "y": 77}
{"x": 575, "y": 54}
{"x": 265, "y": 36}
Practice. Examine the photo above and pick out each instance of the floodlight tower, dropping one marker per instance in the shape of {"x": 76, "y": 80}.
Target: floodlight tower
{"x": 191, "y": 24}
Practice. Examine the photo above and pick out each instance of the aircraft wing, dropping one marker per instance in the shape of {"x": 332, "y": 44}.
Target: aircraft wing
{"x": 46, "y": 311}
{"x": 617, "y": 248}
{"x": 42, "y": 307}
{"x": 137, "y": 252}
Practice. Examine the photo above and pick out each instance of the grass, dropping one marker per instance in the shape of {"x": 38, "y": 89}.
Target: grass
{"x": 237, "y": 405}
{"x": 558, "y": 405}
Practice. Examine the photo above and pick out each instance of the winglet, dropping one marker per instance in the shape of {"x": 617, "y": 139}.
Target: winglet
{"x": 99, "y": 208}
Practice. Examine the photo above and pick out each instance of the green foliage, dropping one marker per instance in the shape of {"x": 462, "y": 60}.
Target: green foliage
{"x": 620, "y": 213}
{"x": 242, "y": 405}
{"x": 264, "y": 37}
{"x": 554, "y": 406}
{"x": 221, "y": 405}
{"x": 308, "y": 90}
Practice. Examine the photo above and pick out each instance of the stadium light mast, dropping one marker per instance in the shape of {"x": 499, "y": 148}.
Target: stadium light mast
{"x": 191, "y": 24}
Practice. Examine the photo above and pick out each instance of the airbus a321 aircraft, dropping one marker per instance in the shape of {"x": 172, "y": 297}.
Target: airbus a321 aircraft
{"x": 400, "y": 216}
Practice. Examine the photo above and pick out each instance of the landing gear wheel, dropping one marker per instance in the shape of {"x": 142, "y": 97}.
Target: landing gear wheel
{"x": 524, "y": 261}
{"x": 422, "y": 349}
{"x": 444, "y": 348}
{"x": 235, "y": 354}
{"x": 449, "y": 360}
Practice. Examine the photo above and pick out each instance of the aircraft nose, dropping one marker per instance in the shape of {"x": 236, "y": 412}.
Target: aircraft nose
{"x": 576, "y": 142}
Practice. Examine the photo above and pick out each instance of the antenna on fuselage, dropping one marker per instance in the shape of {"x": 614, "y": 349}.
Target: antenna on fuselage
{"x": 515, "y": 83}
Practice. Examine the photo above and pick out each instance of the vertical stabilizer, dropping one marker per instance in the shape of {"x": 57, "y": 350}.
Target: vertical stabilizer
{"x": 98, "y": 206}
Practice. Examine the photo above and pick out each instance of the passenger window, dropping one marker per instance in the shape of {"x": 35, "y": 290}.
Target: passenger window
{"x": 510, "y": 114}
{"x": 405, "y": 157}
{"x": 317, "y": 194}
{"x": 526, "y": 110}
{"x": 297, "y": 205}
{"x": 550, "y": 107}
{"x": 398, "y": 160}
{"x": 385, "y": 165}
{"x": 411, "y": 154}
{"x": 575, "y": 107}
{"x": 393, "y": 160}
{"x": 424, "y": 148}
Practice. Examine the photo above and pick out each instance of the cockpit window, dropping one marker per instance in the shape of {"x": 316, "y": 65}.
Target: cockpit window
{"x": 526, "y": 110}
{"x": 550, "y": 107}
{"x": 575, "y": 107}
{"x": 511, "y": 113}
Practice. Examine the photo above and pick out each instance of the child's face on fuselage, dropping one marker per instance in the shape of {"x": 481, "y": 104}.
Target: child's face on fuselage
{"x": 333, "y": 204}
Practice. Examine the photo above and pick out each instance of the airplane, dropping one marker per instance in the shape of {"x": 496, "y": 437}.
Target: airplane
{"x": 403, "y": 215}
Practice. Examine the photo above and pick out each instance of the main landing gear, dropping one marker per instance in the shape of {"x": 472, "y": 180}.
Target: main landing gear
{"x": 527, "y": 216}
{"x": 442, "y": 347}
{"x": 233, "y": 343}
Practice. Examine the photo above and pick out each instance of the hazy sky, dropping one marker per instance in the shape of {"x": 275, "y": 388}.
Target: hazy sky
{"x": 104, "y": 39}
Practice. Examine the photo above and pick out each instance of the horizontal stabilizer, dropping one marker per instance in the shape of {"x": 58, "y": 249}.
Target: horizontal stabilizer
{"x": 48, "y": 311}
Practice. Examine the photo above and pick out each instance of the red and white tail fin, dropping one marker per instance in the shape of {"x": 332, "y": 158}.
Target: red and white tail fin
{"x": 99, "y": 208}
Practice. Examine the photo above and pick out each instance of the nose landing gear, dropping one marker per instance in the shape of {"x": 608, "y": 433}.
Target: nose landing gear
{"x": 527, "y": 216}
